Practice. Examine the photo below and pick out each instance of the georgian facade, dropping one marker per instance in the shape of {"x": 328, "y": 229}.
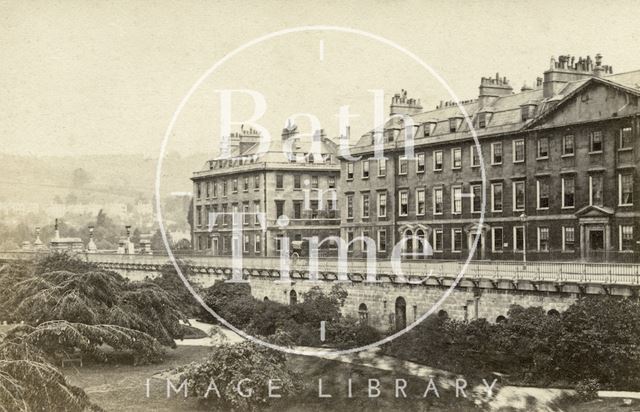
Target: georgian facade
{"x": 302, "y": 187}
{"x": 560, "y": 162}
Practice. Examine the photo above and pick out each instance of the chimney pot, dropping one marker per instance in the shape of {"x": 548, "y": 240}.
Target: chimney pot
{"x": 404, "y": 105}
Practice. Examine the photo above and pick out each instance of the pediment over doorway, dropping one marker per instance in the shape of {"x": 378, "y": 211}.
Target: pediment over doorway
{"x": 594, "y": 211}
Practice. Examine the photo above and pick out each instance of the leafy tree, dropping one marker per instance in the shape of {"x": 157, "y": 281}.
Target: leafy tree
{"x": 135, "y": 236}
{"x": 169, "y": 280}
{"x": 190, "y": 213}
{"x": 93, "y": 297}
{"x": 597, "y": 339}
{"x": 316, "y": 306}
{"x": 157, "y": 243}
{"x": 348, "y": 332}
{"x": 183, "y": 244}
{"x": 56, "y": 339}
{"x": 10, "y": 276}
{"x": 270, "y": 317}
{"x": 80, "y": 177}
{"x": 106, "y": 230}
{"x": 232, "y": 301}
{"x": 28, "y": 382}
{"x": 63, "y": 261}
{"x": 600, "y": 339}
{"x": 529, "y": 335}
{"x": 102, "y": 220}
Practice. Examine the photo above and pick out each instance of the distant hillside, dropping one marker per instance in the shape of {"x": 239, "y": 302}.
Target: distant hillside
{"x": 107, "y": 178}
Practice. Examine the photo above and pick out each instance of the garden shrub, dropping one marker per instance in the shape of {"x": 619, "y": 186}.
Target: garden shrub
{"x": 349, "y": 332}
{"x": 227, "y": 364}
{"x": 587, "y": 389}
{"x": 597, "y": 337}
{"x": 301, "y": 321}
{"x": 232, "y": 301}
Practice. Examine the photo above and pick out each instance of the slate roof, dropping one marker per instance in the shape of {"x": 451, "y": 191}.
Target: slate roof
{"x": 628, "y": 79}
{"x": 322, "y": 146}
{"x": 505, "y": 112}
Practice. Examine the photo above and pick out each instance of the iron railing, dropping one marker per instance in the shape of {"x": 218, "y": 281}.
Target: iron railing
{"x": 546, "y": 271}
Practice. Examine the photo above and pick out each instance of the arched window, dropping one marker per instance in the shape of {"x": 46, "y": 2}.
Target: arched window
{"x": 501, "y": 319}
{"x": 363, "y": 313}
{"x": 293, "y": 297}
{"x": 407, "y": 244}
{"x": 443, "y": 314}
{"x": 420, "y": 245}
{"x": 265, "y": 299}
{"x": 553, "y": 312}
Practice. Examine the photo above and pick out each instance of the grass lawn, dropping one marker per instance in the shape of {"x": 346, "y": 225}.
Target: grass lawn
{"x": 122, "y": 388}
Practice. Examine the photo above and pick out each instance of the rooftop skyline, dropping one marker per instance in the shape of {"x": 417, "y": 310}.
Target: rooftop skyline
{"x": 98, "y": 78}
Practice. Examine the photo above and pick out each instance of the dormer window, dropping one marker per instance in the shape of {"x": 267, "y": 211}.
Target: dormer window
{"x": 454, "y": 123}
{"x": 483, "y": 118}
{"x": 527, "y": 111}
{"x": 428, "y": 129}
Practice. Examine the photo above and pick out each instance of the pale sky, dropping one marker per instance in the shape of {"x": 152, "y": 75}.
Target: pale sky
{"x": 82, "y": 77}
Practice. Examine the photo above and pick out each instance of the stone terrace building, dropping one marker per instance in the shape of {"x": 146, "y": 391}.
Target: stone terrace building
{"x": 561, "y": 162}
{"x": 272, "y": 183}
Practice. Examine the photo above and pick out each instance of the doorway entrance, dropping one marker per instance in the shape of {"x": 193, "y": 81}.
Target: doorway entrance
{"x": 596, "y": 240}
{"x": 214, "y": 246}
{"x": 596, "y": 244}
{"x": 401, "y": 313}
{"x": 478, "y": 254}
{"x": 595, "y": 232}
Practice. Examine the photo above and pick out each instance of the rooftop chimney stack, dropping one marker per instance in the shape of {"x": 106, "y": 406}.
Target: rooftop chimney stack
{"x": 491, "y": 88}
{"x": 525, "y": 88}
{"x": 401, "y": 104}
{"x": 229, "y": 145}
{"x": 290, "y": 130}
{"x": 248, "y": 137}
{"x": 567, "y": 69}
